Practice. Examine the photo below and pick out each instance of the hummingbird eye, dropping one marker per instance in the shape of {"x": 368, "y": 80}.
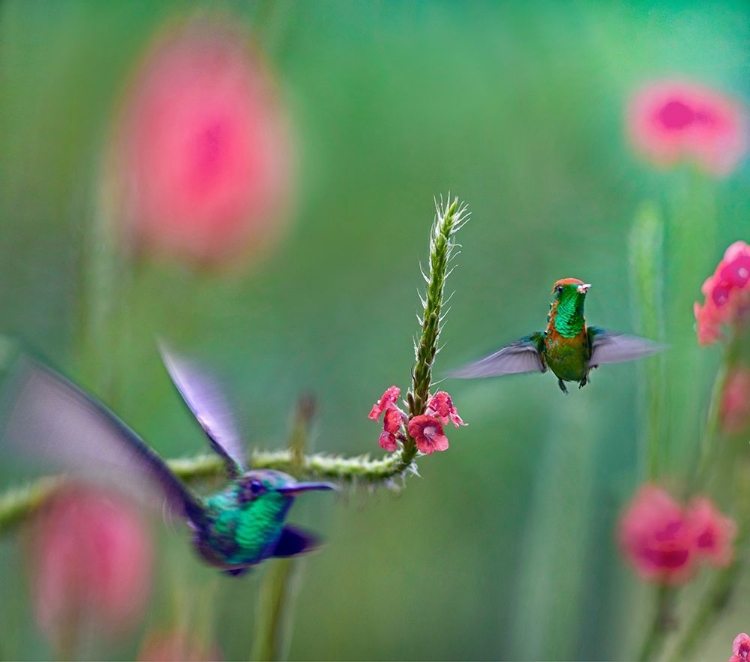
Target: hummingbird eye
{"x": 256, "y": 487}
{"x": 559, "y": 289}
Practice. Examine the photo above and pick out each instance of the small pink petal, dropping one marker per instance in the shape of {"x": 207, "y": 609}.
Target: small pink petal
{"x": 713, "y": 532}
{"x": 741, "y": 646}
{"x": 387, "y": 401}
{"x": 441, "y": 406}
{"x": 392, "y": 421}
{"x": 388, "y": 441}
{"x": 736, "y": 273}
{"x": 736, "y": 250}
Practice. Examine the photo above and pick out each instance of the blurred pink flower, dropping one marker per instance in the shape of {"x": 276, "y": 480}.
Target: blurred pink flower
{"x": 671, "y": 121}
{"x": 734, "y": 410}
{"x": 91, "y": 560}
{"x": 175, "y": 646}
{"x": 712, "y": 531}
{"x": 656, "y": 538}
{"x": 727, "y": 293}
{"x": 441, "y": 407}
{"x": 203, "y": 150}
{"x": 387, "y": 401}
{"x": 740, "y": 648}
{"x": 392, "y": 422}
{"x": 427, "y": 432}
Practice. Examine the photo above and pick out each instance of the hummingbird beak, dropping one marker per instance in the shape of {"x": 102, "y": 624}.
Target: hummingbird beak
{"x": 294, "y": 490}
{"x": 582, "y": 289}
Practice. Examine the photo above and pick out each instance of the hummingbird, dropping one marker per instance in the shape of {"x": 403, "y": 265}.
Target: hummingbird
{"x": 50, "y": 418}
{"x": 569, "y": 348}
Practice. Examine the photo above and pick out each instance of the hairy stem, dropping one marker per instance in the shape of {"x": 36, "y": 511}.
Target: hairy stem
{"x": 276, "y": 599}
{"x": 388, "y": 471}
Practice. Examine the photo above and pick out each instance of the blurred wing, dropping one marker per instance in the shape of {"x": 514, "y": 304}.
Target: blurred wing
{"x": 50, "y": 420}
{"x": 203, "y": 397}
{"x": 294, "y": 542}
{"x": 524, "y": 355}
{"x": 614, "y": 347}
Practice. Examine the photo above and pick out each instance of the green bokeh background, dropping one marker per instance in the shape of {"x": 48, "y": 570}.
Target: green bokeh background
{"x": 504, "y": 549}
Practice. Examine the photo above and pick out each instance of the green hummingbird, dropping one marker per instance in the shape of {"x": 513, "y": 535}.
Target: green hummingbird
{"x": 51, "y": 419}
{"x": 567, "y": 346}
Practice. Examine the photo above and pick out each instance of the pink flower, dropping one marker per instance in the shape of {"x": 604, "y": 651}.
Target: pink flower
{"x": 441, "y": 407}
{"x": 427, "y": 432}
{"x": 91, "y": 559}
{"x": 656, "y": 538}
{"x": 202, "y": 155}
{"x": 727, "y": 293}
{"x": 671, "y": 121}
{"x": 392, "y": 422}
{"x": 740, "y": 648}
{"x": 176, "y": 646}
{"x": 734, "y": 411}
{"x": 713, "y": 532}
{"x": 388, "y": 401}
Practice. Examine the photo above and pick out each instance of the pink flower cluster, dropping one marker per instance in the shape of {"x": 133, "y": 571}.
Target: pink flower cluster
{"x": 426, "y": 429}
{"x": 202, "y": 152}
{"x": 740, "y": 648}
{"x": 664, "y": 540}
{"x": 670, "y": 121}
{"x": 727, "y": 293}
{"x": 91, "y": 559}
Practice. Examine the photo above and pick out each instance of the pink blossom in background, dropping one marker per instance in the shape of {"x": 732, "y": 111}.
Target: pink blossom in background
{"x": 655, "y": 537}
{"x": 671, "y": 121}
{"x": 727, "y": 294}
{"x": 176, "y": 646}
{"x": 202, "y": 151}
{"x": 663, "y": 540}
{"x": 427, "y": 432}
{"x": 713, "y": 532}
{"x": 387, "y": 401}
{"x": 441, "y": 406}
{"x": 91, "y": 561}
{"x": 734, "y": 411}
{"x": 740, "y": 648}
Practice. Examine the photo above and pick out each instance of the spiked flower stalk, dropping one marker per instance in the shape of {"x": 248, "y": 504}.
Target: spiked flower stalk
{"x": 389, "y": 470}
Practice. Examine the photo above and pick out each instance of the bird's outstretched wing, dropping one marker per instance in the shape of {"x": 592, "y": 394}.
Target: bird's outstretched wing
{"x": 524, "y": 355}
{"x": 51, "y": 422}
{"x": 614, "y": 347}
{"x": 205, "y": 400}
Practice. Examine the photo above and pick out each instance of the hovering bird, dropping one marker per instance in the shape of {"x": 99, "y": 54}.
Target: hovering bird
{"x": 49, "y": 418}
{"x": 567, "y": 346}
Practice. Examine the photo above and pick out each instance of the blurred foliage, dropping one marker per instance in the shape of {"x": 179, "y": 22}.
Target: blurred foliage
{"x": 506, "y": 548}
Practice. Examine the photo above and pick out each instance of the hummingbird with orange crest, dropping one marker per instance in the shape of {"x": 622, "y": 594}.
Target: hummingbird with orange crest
{"x": 50, "y": 419}
{"x": 567, "y": 347}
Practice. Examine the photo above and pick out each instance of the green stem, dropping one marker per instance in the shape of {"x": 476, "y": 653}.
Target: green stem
{"x": 709, "y": 609}
{"x": 647, "y": 274}
{"x": 19, "y": 503}
{"x": 660, "y": 625}
{"x": 277, "y": 594}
